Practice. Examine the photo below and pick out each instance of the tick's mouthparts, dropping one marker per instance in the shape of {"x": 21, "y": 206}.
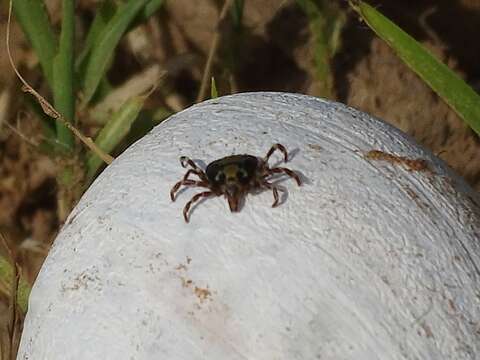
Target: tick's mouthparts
{"x": 233, "y": 203}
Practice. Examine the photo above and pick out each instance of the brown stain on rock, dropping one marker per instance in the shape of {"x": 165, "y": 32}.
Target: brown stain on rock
{"x": 202, "y": 293}
{"x": 410, "y": 164}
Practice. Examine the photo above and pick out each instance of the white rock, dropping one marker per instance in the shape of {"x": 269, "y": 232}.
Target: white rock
{"x": 367, "y": 260}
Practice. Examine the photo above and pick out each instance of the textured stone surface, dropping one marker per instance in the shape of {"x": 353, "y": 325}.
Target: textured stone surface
{"x": 367, "y": 260}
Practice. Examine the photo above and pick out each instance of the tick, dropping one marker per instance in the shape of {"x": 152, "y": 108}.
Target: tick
{"x": 233, "y": 176}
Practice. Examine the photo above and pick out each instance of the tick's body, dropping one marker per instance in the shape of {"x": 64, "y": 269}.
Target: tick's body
{"x": 233, "y": 176}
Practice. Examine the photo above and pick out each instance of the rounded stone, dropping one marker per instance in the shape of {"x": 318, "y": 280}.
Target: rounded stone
{"x": 375, "y": 256}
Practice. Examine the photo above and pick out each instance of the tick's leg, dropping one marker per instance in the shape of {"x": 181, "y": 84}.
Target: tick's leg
{"x": 185, "y": 182}
{"x": 274, "y": 190}
{"x": 272, "y": 150}
{"x": 281, "y": 170}
{"x": 197, "y": 172}
{"x": 185, "y": 161}
{"x": 194, "y": 199}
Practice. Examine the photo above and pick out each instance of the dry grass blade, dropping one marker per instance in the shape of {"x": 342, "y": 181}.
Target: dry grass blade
{"x": 47, "y": 108}
{"x": 21, "y": 135}
{"x": 5, "y": 97}
{"x": 207, "y": 72}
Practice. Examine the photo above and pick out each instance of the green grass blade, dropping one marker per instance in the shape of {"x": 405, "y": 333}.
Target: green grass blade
{"x": 151, "y": 7}
{"x": 114, "y": 132}
{"x": 63, "y": 96}
{"x": 213, "y": 89}
{"x": 104, "y": 48}
{"x": 449, "y": 86}
{"x": 33, "y": 18}
{"x": 103, "y": 15}
{"x": 326, "y": 20}
{"x": 237, "y": 13}
{"x": 6, "y": 273}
